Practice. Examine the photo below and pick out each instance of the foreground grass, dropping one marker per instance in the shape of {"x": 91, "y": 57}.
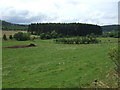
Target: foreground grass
{"x": 51, "y": 65}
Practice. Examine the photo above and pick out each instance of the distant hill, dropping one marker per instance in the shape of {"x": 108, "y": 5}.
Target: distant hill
{"x": 109, "y": 28}
{"x": 11, "y": 26}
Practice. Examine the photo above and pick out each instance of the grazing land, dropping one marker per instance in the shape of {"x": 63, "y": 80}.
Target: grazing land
{"x": 51, "y": 65}
{"x": 10, "y": 32}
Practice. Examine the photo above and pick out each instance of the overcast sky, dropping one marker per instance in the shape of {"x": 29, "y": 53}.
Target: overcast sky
{"x": 101, "y": 12}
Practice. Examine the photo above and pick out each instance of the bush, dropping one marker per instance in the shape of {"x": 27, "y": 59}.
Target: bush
{"x": 10, "y": 37}
{"x": 45, "y": 36}
{"x": 20, "y": 36}
{"x": 42, "y": 36}
{"x": 50, "y": 35}
{"x": 82, "y": 40}
{"x": 4, "y": 37}
{"x": 54, "y": 34}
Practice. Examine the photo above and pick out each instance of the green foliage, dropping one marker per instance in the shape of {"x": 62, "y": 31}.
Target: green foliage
{"x": 54, "y": 34}
{"x": 79, "y": 40}
{"x": 109, "y": 28}
{"x": 43, "y": 36}
{"x": 71, "y": 29}
{"x": 11, "y": 26}
{"x": 20, "y": 36}
{"x": 50, "y": 35}
{"x": 114, "y": 55}
{"x": 4, "y": 37}
{"x": 10, "y": 37}
{"x": 115, "y": 34}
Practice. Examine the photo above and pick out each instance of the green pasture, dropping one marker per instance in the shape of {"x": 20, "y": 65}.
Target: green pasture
{"x": 51, "y": 65}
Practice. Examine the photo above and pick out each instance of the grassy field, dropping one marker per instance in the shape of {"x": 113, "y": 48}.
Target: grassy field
{"x": 9, "y": 32}
{"x": 51, "y": 65}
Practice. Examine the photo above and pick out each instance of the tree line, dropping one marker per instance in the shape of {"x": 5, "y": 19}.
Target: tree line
{"x": 70, "y": 29}
{"x": 15, "y": 27}
{"x": 109, "y": 28}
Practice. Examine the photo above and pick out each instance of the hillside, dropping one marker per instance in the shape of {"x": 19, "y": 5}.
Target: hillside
{"x": 70, "y": 29}
{"x": 11, "y": 26}
{"x": 109, "y": 28}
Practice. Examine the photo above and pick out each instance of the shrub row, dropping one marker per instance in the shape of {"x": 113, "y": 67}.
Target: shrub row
{"x": 78, "y": 40}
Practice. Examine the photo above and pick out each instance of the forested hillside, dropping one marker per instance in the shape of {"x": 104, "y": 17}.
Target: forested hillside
{"x": 71, "y": 29}
{"x": 11, "y": 26}
{"x": 109, "y": 28}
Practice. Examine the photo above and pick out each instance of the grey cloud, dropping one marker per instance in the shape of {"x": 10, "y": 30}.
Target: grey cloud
{"x": 24, "y": 16}
{"x": 22, "y": 19}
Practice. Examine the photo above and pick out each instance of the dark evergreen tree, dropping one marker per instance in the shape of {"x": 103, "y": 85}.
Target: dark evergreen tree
{"x": 4, "y": 37}
{"x": 10, "y": 37}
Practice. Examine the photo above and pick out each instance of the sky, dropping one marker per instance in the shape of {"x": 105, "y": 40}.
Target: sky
{"x": 100, "y": 12}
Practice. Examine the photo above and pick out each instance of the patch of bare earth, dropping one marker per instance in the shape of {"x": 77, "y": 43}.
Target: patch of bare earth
{"x": 22, "y": 46}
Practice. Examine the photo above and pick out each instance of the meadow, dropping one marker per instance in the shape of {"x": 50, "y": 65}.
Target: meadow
{"x": 9, "y": 32}
{"x": 51, "y": 65}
